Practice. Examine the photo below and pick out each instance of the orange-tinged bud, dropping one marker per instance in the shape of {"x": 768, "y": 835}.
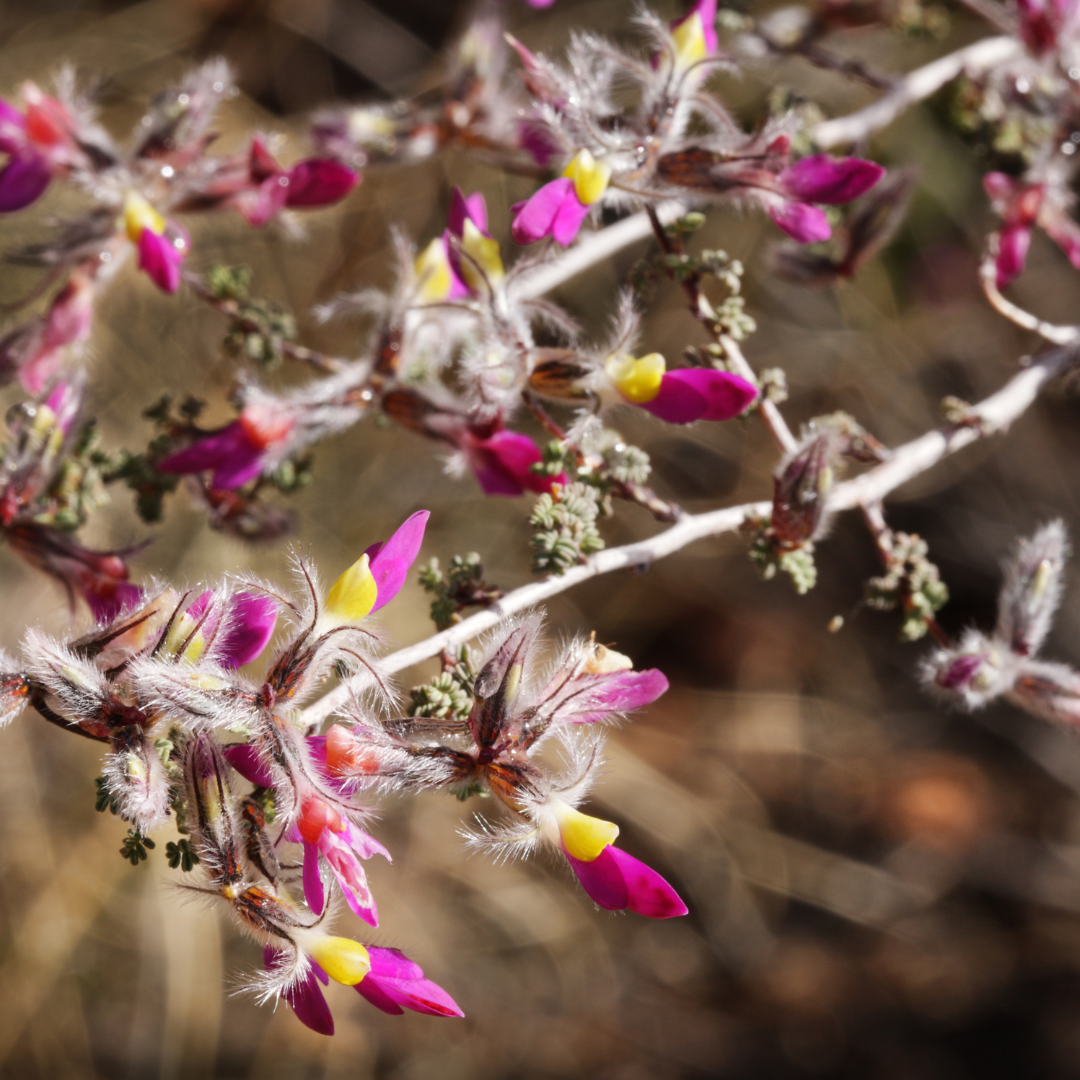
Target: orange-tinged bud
{"x": 345, "y": 756}
{"x": 316, "y": 815}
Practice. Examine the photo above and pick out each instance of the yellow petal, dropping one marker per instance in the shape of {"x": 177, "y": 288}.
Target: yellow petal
{"x": 637, "y": 380}
{"x": 582, "y": 836}
{"x": 344, "y": 960}
{"x": 353, "y": 595}
{"x": 433, "y": 272}
{"x": 690, "y": 46}
{"x": 591, "y": 177}
{"x": 484, "y": 250}
{"x": 139, "y": 215}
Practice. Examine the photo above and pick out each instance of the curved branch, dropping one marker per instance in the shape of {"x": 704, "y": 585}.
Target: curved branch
{"x": 993, "y": 414}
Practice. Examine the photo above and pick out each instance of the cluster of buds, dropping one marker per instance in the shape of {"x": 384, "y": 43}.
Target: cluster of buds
{"x": 160, "y": 683}
{"x": 984, "y": 667}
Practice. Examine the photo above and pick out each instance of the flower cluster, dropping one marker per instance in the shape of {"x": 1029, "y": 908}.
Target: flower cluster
{"x": 160, "y": 683}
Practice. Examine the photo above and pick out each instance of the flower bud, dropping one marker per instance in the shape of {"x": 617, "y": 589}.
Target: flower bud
{"x": 1032, "y": 589}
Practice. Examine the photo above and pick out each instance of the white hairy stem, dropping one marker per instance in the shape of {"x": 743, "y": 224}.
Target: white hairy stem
{"x": 912, "y": 88}
{"x": 992, "y": 415}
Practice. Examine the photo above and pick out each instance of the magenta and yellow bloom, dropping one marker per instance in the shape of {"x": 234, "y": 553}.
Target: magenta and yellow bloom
{"x": 681, "y": 396}
{"x": 40, "y": 143}
{"x": 163, "y": 245}
{"x": 559, "y": 208}
{"x": 694, "y": 35}
{"x": 612, "y": 878}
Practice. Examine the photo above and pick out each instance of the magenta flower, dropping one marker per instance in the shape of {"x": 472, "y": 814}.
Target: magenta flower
{"x": 555, "y": 211}
{"x": 393, "y": 984}
{"x": 39, "y": 143}
{"x": 615, "y": 881}
{"x": 503, "y": 463}
{"x": 323, "y": 831}
{"x": 240, "y": 628}
{"x": 474, "y": 254}
{"x": 681, "y": 396}
{"x": 560, "y": 207}
{"x": 1042, "y": 21}
{"x": 391, "y": 560}
{"x": 235, "y": 453}
{"x": 35, "y": 351}
{"x": 309, "y": 183}
{"x": 1021, "y": 207}
{"x": 819, "y": 179}
{"x": 695, "y": 34}
{"x": 162, "y": 255}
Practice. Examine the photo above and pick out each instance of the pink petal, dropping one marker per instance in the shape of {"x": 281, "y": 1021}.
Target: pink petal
{"x": 503, "y": 465}
{"x": 160, "y": 258}
{"x": 568, "y": 220}
{"x": 319, "y": 182}
{"x": 801, "y": 222}
{"x": 107, "y": 598}
{"x": 535, "y": 218}
{"x": 392, "y": 560}
{"x": 249, "y": 763}
{"x": 305, "y": 998}
{"x": 621, "y": 692}
{"x": 719, "y": 396}
{"x": 230, "y": 452}
{"x": 998, "y": 186}
{"x": 464, "y": 209}
{"x": 252, "y": 619}
{"x": 823, "y": 179}
{"x": 313, "y": 886}
{"x": 395, "y": 982}
{"x": 22, "y": 181}
{"x": 1013, "y": 244}
{"x": 602, "y": 880}
{"x": 537, "y": 140}
{"x": 650, "y": 895}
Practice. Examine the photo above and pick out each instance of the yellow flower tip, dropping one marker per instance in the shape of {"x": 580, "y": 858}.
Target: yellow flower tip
{"x": 433, "y": 272}
{"x": 513, "y": 682}
{"x": 604, "y": 661}
{"x": 1041, "y": 579}
{"x": 139, "y": 215}
{"x": 690, "y": 44}
{"x": 591, "y": 177}
{"x": 582, "y": 836}
{"x": 484, "y": 251}
{"x": 344, "y": 960}
{"x": 352, "y": 596}
{"x": 637, "y": 380}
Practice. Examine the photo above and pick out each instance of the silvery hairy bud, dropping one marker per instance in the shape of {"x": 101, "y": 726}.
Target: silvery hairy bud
{"x": 1032, "y": 589}
{"x": 136, "y": 779}
{"x": 972, "y": 674}
{"x": 1049, "y": 690}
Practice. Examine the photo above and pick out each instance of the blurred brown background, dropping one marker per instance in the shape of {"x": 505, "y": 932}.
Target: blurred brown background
{"x": 878, "y": 889}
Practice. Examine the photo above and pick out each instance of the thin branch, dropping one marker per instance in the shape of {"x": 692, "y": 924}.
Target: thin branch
{"x": 913, "y": 87}
{"x": 1057, "y": 335}
{"x": 772, "y": 417}
{"x": 595, "y": 248}
{"x": 994, "y": 414}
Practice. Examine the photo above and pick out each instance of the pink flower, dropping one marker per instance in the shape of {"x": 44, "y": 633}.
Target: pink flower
{"x": 163, "y": 245}
{"x": 819, "y": 179}
{"x": 391, "y": 560}
{"x": 615, "y": 880}
{"x": 39, "y": 143}
{"x": 612, "y": 878}
{"x": 474, "y": 254}
{"x": 393, "y": 984}
{"x": 503, "y": 462}
{"x": 1021, "y": 206}
{"x": 695, "y": 34}
{"x": 559, "y": 208}
{"x": 555, "y": 211}
{"x": 1042, "y": 21}
{"x": 240, "y": 626}
{"x": 236, "y": 452}
{"x": 309, "y": 183}
{"x": 681, "y": 396}
{"x": 323, "y": 831}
